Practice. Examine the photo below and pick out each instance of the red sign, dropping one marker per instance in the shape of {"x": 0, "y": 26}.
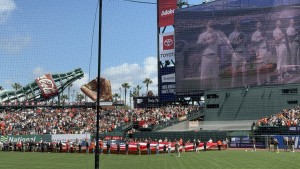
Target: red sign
{"x": 168, "y": 42}
{"x": 47, "y": 85}
{"x": 166, "y": 12}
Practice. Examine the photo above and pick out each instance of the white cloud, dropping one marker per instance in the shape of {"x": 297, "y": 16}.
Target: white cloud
{"x": 15, "y": 44}
{"x": 78, "y": 83}
{"x": 6, "y": 8}
{"x": 8, "y": 81}
{"x": 38, "y": 71}
{"x": 150, "y": 67}
{"x": 134, "y": 74}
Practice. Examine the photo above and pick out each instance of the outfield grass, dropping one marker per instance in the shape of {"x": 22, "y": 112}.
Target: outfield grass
{"x": 211, "y": 159}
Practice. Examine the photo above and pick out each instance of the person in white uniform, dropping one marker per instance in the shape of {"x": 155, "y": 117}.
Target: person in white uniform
{"x": 293, "y": 37}
{"x": 259, "y": 43}
{"x": 281, "y": 50}
{"x": 237, "y": 40}
{"x": 209, "y": 67}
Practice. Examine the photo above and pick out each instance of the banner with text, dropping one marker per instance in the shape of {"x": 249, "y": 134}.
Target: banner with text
{"x": 280, "y": 139}
{"x": 47, "y": 85}
{"x": 166, "y": 46}
{"x": 168, "y": 86}
{"x": 70, "y": 137}
{"x": 24, "y": 138}
{"x": 166, "y": 12}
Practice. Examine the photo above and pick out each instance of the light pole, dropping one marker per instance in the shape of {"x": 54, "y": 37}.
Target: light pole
{"x": 98, "y": 88}
{"x": 130, "y": 95}
{"x": 120, "y": 93}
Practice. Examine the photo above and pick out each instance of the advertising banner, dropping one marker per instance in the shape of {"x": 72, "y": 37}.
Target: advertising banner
{"x": 166, "y": 12}
{"x": 237, "y": 48}
{"x": 168, "y": 78}
{"x": 70, "y": 137}
{"x": 281, "y": 138}
{"x": 168, "y": 86}
{"x": 166, "y": 46}
{"x": 25, "y": 138}
{"x": 47, "y": 85}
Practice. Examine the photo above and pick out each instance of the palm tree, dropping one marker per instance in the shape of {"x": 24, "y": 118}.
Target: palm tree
{"x": 116, "y": 96}
{"x": 79, "y": 97}
{"x": 64, "y": 98}
{"x": 69, "y": 88}
{"x": 16, "y": 86}
{"x": 147, "y": 81}
{"x": 137, "y": 90}
{"x": 125, "y": 86}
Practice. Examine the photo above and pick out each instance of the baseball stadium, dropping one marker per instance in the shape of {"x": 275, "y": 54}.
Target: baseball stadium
{"x": 158, "y": 84}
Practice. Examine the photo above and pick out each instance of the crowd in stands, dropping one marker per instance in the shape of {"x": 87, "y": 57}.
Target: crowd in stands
{"x": 287, "y": 117}
{"x": 46, "y": 120}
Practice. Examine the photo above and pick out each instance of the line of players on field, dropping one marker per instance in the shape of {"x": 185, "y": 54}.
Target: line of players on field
{"x": 289, "y": 144}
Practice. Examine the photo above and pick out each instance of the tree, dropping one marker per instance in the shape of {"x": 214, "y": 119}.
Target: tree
{"x": 64, "y": 98}
{"x": 1, "y": 88}
{"x": 147, "y": 81}
{"x": 125, "y": 86}
{"x": 137, "y": 89}
{"x": 134, "y": 93}
{"x": 16, "y": 86}
{"x": 69, "y": 88}
{"x": 116, "y": 96}
{"x": 79, "y": 97}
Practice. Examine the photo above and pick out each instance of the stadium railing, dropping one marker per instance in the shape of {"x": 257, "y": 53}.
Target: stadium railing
{"x": 277, "y": 130}
{"x": 127, "y": 126}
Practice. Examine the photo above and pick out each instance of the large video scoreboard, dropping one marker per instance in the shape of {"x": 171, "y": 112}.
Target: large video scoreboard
{"x": 222, "y": 49}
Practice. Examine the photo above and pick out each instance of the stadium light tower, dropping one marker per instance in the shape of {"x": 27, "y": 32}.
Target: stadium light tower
{"x": 97, "y": 160}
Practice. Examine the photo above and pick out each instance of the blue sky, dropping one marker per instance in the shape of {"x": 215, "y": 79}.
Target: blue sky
{"x": 55, "y": 36}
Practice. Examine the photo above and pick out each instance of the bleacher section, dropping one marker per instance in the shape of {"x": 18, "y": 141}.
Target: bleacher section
{"x": 249, "y": 103}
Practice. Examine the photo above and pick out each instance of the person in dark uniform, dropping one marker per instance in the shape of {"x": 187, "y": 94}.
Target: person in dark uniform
{"x": 43, "y": 146}
{"x": 148, "y": 148}
{"x": 165, "y": 148}
{"x": 79, "y": 147}
{"x": 60, "y": 146}
{"x": 126, "y": 148}
{"x": 108, "y": 146}
{"x": 286, "y": 143}
{"x": 276, "y": 145}
{"x": 269, "y": 143}
{"x": 254, "y": 144}
{"x": 291, "y": 143}
{"x": 118, "y": 147}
